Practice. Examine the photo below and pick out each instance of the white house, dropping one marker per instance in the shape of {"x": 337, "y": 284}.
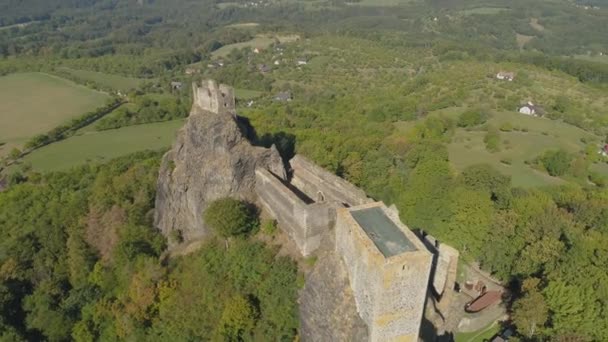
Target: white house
{"x": 505, "y": 76}
{"x": 529, "y": 109}
{"x": 604, "y": 151}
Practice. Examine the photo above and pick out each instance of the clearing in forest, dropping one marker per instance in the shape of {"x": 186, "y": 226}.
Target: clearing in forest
{"x": 34, "y": 103}
{"x": 484, "y": 10}
{"x": 260, "y": 42}
{"x": 103, "y": 145}
{"x": 529, "y": 138}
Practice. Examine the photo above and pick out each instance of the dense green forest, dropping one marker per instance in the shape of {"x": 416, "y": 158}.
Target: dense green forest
{"x": 80, "y": 261}
{"x": 386, "y": 98}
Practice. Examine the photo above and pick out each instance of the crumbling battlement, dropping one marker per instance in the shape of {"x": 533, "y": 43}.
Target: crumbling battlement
{"x": 389, "y": 282}
{"x": 214, "y": 98}
{"x": 302, "y": 219}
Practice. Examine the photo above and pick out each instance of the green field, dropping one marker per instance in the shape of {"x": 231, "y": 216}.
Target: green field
{"x": 467, "y": 147}
{"x": 484, "y": 10}
{"x": 107, "y": 80}
{"x": 595, "y": 58}
{"x": 380, "y": 3}
{"x": 34, "y": 103}
{"x": 482, "y": 335}
{"x": 260, "y": 42}
{"x": 104, "y": 145}
{"x": 246, "y": 94}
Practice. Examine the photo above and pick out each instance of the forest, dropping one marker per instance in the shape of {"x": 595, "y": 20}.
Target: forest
{"x": 386, "y": 98}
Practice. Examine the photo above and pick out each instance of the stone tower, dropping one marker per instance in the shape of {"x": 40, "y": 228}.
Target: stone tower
{"x": 388, "y": 268}
{"x": 214, "y": 98}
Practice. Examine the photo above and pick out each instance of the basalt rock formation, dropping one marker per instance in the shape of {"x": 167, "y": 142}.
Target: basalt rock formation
{"x": 210, "y": 159}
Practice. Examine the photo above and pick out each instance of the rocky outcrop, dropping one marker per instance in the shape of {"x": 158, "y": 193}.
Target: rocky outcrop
{"x": 210, "y": 159}
{"x": 327, "y": 305}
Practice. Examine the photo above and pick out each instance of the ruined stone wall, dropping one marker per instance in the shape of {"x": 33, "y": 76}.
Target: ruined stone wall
{"x": 319, "y": 184}
{"x": 389, "y": 292}
{"x": 214, "y": 98}
{"x": 304, "y": 222}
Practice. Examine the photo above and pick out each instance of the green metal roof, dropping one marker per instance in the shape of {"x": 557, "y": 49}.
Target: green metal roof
{"x": 385, "y": 234}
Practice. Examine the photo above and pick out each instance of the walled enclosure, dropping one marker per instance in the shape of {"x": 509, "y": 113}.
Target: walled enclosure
{"x": 305, "y": 206}
{"x": 303, "y": 220}
{"x": 389, "y": 282}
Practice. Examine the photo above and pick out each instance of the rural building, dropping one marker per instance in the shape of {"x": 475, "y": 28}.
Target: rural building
{"x": 302, "y": 61}
{"x": 176, "y": 85}
{"x": 191, "y": 71}
{"x": 531, "y": 109}
{"x": 506, "y": 76}
{"x": 604, "y": 150}
{"x": 263, "y": 68}
{"x": 284, "y": 96}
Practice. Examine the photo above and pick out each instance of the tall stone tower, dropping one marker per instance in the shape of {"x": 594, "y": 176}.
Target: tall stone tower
{"x": 214, "y": 98}
{"x": 388, "y": 268}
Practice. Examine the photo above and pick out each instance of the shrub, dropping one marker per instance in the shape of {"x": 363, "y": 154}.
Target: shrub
{"x": 269, "y": 227}
{"x": 556, "y": 162}
{"x": 506, "y": 127}
{"x": 492, "y": 140}
{"x": 598, "y": 179}
{"x": 230, "y": 217}
{"x": 472, "y": 118}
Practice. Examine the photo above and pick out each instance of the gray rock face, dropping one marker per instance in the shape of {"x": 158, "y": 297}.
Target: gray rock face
{"x": 327, "y": 305}
{"x": 210, "y": 159}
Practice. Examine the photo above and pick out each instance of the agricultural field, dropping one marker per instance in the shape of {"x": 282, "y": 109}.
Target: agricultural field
{"x": 596, "y": 58}
{"x": 104, "y": 145}
{"x": 246, "y": 94}
{"x": 34, "y": 103}
{"x": 116, "y": 82}
{"x": 260, "y": 42}
{"x": 380, "y": 3}
{"x": 484, "y": 10}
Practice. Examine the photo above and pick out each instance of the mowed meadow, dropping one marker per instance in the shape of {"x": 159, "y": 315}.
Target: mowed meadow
{"x": 34, "y": 103}
{"x": 100, "y": 146}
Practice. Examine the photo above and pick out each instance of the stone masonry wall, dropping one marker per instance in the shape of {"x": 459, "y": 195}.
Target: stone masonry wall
{"x": 389, "y": 293}
{"x": 214, "y": 98}
{"x": 304, "y": 222}
{"x": 317, "y": 182}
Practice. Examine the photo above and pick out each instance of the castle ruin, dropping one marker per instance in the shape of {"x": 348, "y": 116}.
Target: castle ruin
{"x": 390, "y": 270}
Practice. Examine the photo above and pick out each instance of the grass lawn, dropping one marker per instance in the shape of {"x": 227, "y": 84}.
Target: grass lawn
{"x": 380, "y": 3}
{"x": 467, "y": 147}
{"x": 484, "y": 10}
{"x": 260, "y": 42}
{"x": 104, "y": 145}
{"x": 482, "y": 335}
{"x": 34, "y": 103}
{"x": 596, "y": 58}
{"x": 246, "y": 94}
{"x": 108, "y": 80}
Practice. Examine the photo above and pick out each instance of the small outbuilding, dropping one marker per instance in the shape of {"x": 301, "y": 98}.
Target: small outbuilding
{"x": 505, "y": 76}
{"x": 531, "y": 109}
{"x": 284, "y": 96}
{"x": 176, "y": 85}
